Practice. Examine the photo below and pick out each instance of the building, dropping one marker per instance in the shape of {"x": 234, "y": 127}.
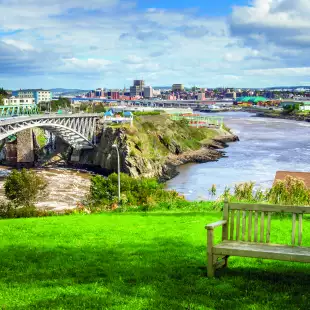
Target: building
{"x": 230, "y": 95}
{"x": 139, "y": 83}
{"x": 18, "y": 101}
{"x": 99, "y": 92}
{"x": 137, "y": 88}
{"x": 148, "y": 92}
{"x": 113, "y": 94}
{"x": 39, "y": 95}
{"x": 177, "y": 87}
{"x": 201, "y": 96}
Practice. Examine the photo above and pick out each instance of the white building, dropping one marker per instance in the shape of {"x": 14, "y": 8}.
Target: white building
{"x": 18, "y": 101}
{"x": 148, "y": 92}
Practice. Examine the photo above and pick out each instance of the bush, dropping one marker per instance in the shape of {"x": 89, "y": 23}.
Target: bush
{"x": 134, "y": 192}
{"x": 140, "y": 113}
{"x": 24, "y": 187}
{"x": 290, "y": 191}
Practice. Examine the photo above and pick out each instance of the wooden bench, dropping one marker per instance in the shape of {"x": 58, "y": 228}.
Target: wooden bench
{"x": 241, "y": 225}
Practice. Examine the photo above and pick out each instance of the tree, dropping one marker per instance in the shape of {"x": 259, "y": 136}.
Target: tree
{"x": 3, "y": 92}
{"x": 1, "y": 100}
{"x": 24, "y": 187}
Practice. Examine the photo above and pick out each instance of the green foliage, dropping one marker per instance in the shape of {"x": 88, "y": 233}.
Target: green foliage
{"x": 1, "y": 100}
{"x": 290, "y": 191}
{"x": 24, "y": 187}
{"x": 134, "y": 192}
{"x": 140, "y": 113}
{"x": 3, "y": 92}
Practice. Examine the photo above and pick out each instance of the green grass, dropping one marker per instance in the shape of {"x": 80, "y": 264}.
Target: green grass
{"x": 139, "y": 261}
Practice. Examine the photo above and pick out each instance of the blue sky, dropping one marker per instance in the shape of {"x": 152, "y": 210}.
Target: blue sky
{"x": 108, "y": 43}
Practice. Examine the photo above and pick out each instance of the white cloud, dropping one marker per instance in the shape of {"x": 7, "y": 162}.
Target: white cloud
{"x": 24, "y": 46}
{"x": 110, "y": 42}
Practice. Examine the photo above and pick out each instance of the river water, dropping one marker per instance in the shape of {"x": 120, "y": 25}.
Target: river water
{"x": 265, "y": 147}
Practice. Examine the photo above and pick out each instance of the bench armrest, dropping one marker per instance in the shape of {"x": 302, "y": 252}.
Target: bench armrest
{"x": 216, "y": 224}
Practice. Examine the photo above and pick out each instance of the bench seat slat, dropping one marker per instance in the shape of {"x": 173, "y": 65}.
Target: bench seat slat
{"x": 263, "y": 250}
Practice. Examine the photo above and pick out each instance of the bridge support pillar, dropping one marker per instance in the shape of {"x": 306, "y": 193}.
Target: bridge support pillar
{"x": 25, "y": 149}
{"x": 75, "y": 156}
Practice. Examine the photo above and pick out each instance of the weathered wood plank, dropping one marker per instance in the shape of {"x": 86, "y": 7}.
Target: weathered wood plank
{"x": 268, "y": 228}
{"x": 250, "y": 226}
{"x": 210, "y": 243}
{"x": 293, "y": 228}
{"x": 300, "y": 230}
{"x": 238, "y": 226}
{"x": 225, "y": 218}
{"x": 256, "y": 227}
{"x": 243, "y": 225}
{"x": 270, "y": 208}
{"x": 216, "y": 224}
{"x": 232, "y": 224}
{"x": 265, "y": 250}
{"x": 262, "y": 224}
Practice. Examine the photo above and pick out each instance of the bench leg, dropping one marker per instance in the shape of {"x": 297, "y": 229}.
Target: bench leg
{"x": 211, "y": 267}
{"x": 226, "y": 261}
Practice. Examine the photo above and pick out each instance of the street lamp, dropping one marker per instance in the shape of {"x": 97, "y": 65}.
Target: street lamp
{"x": 118, "y": 173}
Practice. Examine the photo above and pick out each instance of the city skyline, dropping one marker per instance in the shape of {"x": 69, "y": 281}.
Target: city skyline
{"x": 50, "y": 44}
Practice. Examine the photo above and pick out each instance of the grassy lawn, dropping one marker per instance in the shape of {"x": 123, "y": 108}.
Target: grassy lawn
{"x": 138, "y": 261}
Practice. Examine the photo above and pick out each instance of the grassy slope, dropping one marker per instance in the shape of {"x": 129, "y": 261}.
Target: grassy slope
{"x": 138, "y": 261}
{"x": 144, "y": 141}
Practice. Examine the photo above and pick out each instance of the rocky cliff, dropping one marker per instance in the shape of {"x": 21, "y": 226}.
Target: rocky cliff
{"x": 154, "y": 146}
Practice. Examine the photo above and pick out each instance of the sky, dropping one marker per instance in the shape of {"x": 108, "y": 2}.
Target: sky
{"x": 109, "y": 43}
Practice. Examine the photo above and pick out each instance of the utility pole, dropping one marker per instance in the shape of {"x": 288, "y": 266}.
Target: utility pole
{"x": 118, "y": 172}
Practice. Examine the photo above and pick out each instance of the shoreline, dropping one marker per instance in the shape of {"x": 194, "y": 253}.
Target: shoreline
{"x": 210, "y": 152}
{"x": 293, "y": 117}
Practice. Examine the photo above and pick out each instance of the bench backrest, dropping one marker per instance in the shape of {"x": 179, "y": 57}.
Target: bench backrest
{"x": 252, "y": 222}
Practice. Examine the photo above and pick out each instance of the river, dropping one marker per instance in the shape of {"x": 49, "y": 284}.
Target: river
{"x": 265, "y": 147}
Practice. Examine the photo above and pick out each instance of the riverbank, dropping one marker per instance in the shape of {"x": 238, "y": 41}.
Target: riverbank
{"x": 284, "y": 115}
{"x": 155, "y": 145}
{"x": 211, "y": 151}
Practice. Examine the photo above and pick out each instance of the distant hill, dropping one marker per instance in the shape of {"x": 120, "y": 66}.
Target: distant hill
{"x": 287, "y": 87}
{"x": 65, "y": 91}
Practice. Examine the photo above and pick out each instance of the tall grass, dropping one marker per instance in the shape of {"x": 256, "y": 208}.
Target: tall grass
{"x": 290, "y": 191}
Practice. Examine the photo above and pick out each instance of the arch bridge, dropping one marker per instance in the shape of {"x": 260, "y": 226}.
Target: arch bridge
{"x": 78, "y": 130}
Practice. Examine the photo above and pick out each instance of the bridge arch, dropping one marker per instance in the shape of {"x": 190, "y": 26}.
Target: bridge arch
{"x": 78, "y": 131}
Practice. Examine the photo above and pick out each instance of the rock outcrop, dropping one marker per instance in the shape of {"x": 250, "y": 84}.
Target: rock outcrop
{"x": 152, "y": 153}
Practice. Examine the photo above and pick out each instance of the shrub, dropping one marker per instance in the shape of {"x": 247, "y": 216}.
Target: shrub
{"x": 134, "y": 192}
{"x": 140, "y": 113}
{"x": 290, "y": 191}
{"x": 24, "y": 187}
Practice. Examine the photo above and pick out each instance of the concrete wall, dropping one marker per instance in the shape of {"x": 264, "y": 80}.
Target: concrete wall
{"x": 25, "y": 150}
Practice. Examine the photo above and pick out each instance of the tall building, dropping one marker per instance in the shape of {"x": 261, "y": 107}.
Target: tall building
{"x": 148, "y": 92}
{"x": 39, "y": 95}
{"x": 177, "y": 87}
{"x": 139, "y": 83}
{"x": 99, "y": 92}
{"x": 137, "y": 88}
